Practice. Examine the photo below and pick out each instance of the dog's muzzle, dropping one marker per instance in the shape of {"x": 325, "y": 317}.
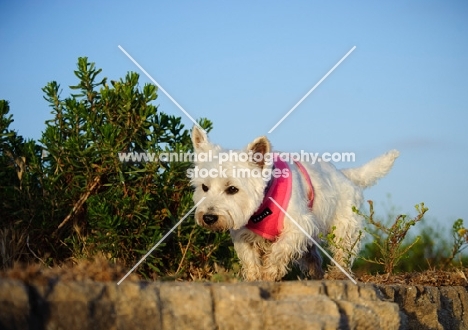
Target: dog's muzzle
{"x": 210, "y": 219}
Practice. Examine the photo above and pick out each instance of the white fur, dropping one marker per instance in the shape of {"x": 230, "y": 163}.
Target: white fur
{"x": 336, "y": 192}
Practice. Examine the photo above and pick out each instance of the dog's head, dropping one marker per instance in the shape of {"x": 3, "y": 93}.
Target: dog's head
{"x": 232, "y": 182}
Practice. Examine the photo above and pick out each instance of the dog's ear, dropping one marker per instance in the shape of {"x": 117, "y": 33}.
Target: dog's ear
{"x": 260, "y": 149}
{"x": 199, "y": 139}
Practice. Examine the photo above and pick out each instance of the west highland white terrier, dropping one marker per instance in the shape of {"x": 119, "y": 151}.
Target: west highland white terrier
{"x": 257, "y": 196}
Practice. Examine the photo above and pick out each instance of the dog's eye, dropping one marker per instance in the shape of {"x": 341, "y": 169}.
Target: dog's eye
{"x": 231, "y": 190}
{"x": 205, "y": 188}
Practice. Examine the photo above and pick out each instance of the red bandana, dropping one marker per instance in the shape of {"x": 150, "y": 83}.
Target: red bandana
{"x": 268, "y": 220}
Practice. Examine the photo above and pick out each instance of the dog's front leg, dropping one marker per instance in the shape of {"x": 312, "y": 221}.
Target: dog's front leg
{"x": 276, "y": 262}
{"x": 291, "y": 245}
{"x": 283, "y": 252}
{"x": 248, "y": 252}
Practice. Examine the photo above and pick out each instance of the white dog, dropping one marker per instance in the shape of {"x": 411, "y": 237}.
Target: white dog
{"x": 247, "y": 192}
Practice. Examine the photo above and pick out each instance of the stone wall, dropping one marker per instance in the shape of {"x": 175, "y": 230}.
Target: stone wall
{"x": 175, "y": 305}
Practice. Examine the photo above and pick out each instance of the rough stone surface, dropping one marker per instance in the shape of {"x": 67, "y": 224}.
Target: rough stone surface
{"x": 285, "y": 305}
{"x": 431, "y": 307}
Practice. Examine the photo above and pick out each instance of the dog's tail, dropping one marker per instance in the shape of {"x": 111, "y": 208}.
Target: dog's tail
{"x": 368, "y": 174}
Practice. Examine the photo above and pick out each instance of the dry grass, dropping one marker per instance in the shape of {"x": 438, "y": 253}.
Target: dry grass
{"x": 98, "y": 269}
{"x": 12, "y": 246}
{"x": 458, "y": 277}
{"x": 102, "y": 270}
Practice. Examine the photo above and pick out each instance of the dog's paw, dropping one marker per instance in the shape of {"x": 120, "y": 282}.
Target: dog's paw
{"x": 315, "y": 273}
{"x": 251, "y": 274}
{"x": 272, "y": 274}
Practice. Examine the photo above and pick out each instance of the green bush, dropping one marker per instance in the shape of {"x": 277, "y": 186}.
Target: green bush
{"x": 21, "y": 191}
{"x": 389, "y": 239}
{"x": 81, "y": 199}
{"x": 429, "y": 249}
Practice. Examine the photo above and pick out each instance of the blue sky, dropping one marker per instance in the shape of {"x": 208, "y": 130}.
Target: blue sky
{"x": 245, "y": 64}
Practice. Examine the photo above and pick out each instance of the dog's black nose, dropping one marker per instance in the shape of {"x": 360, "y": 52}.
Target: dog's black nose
{"x": 210, "y": 219}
